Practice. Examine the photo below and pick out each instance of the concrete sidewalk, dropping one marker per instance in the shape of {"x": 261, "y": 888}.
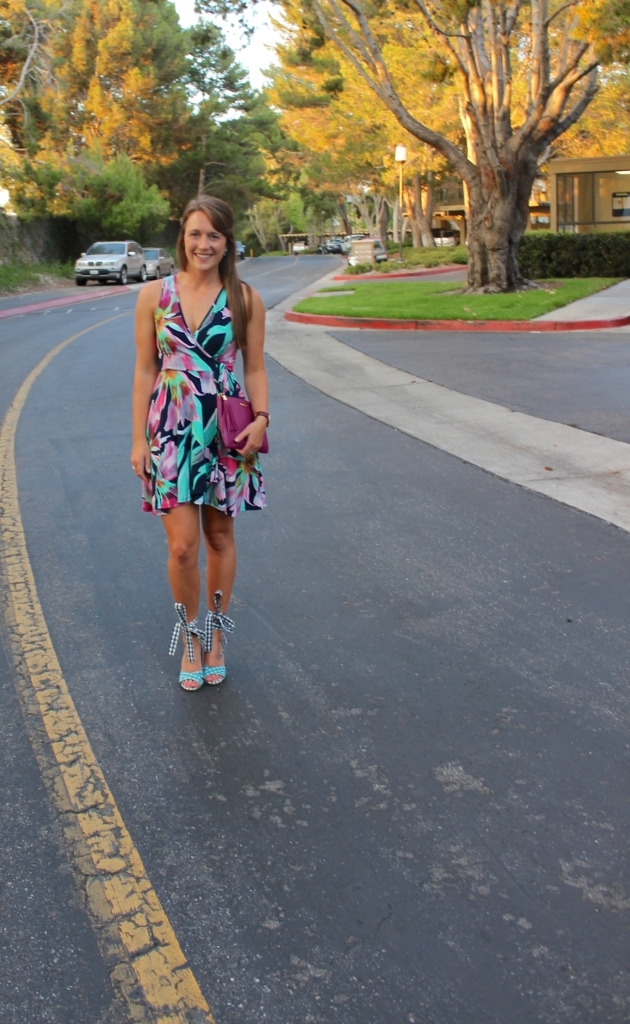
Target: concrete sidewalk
{"x": 608, "y": 304}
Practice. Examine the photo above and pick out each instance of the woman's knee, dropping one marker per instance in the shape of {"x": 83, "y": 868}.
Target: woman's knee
{"x": 219, "y": 539}
{"x": 184, "y": 551}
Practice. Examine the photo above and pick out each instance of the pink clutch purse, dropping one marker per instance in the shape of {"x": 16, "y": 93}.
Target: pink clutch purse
{"x": 234, "y": 414}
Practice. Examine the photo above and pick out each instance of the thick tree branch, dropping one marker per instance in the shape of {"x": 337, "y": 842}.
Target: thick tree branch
{"x": 578, "y": 108}
{"x": 382, "y": 85}
{"x": 564, "y": 7}
{"x": 26, "y": 67}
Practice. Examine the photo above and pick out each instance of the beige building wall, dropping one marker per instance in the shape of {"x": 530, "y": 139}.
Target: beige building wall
{"x": 590, "y": 194}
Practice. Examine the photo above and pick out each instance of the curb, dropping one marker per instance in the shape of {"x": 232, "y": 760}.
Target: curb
{"x": 34, "y": 307}
{"x": 535, "y": 326}
{"x": 409, "y": 274}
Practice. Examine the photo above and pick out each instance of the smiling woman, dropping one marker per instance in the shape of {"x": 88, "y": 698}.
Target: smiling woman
{"x": 188, "y": 329}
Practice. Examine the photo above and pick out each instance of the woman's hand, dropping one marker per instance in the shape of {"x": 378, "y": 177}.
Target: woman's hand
{"x": 141, "y": 459}
{"x": 252, "y": 437}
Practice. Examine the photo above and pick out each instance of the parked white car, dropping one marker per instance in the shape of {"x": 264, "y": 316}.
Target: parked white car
{"x": 111, "y": 261}
{"x": 299, "y": 247}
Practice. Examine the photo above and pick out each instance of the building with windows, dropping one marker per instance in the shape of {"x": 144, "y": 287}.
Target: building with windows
{"x": 590, "y": 194}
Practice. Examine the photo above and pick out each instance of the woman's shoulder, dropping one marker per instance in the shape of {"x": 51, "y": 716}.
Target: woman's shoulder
{"x": 150, "y": 294}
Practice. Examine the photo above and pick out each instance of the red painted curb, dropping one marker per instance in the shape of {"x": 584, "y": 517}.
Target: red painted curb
{"x": 535, "y": 326}
{"x": 426, "y": 272}
{"x": 52, "y": 303}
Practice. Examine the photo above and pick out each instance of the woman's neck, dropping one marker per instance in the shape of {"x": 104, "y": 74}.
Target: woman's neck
{"x": 202, "y": 279}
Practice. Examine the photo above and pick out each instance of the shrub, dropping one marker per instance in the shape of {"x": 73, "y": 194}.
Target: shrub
{"x": 543, "y": 254}
{"x": 360, "y": 268}
{"x": 459, "y": 256}
{"x": 18, "y": 274}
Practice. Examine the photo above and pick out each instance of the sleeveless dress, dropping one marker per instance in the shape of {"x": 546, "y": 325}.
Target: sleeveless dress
{"x": 188, "y": 460}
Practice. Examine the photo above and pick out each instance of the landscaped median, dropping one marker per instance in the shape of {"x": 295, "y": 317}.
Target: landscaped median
{"x": 413, "y": 305}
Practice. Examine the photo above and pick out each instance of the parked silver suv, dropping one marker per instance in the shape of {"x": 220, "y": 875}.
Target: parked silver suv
{"x": 111, "y": 261}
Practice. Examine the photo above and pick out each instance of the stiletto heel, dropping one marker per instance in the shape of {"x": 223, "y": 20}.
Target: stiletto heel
{"x": 216, "y": 622}
{"x": 189, "y": 629}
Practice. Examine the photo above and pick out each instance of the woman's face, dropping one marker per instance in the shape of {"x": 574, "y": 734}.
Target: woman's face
{"x": 204, "y": 245}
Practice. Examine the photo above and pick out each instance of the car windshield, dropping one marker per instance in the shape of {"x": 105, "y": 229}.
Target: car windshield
{"x": 151, "y": 254}
{"x": 107, "y": 249}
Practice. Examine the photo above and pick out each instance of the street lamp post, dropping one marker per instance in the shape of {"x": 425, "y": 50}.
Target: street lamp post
{"x": 401, "y": 158}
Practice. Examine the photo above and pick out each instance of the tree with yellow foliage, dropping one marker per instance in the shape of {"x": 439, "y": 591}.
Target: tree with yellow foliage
{"x": 524, "y": 72}
{"x": 346, "y": 137}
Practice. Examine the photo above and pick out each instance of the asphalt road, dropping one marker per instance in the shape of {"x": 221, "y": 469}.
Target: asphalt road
{"x": 578, "y": 377}
{"x": 410, "y": 800}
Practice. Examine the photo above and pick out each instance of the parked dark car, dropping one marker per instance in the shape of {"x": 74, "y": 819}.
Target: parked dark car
{"x": 240, "y": 251}
{"x": 111, "y": 261}
{"x": 331, "y": 245}
{"x": 159, "y": 263}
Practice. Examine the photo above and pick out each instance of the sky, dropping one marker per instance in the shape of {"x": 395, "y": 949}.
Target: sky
{"x": 258, "y": 54}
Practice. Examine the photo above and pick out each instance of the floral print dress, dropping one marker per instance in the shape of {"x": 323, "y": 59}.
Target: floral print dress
{"x": 188, "y": 460}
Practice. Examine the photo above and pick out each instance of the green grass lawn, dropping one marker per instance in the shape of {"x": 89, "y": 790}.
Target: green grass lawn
{"x": 430, "y": 300}
{"x": 14, "y": 274}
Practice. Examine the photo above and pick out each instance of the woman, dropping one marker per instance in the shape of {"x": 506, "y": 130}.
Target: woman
{"x": 188, "y": 329}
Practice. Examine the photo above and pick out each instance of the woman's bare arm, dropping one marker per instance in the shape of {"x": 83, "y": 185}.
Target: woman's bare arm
{"x": 147, "y": 364}
{"x": 256, "y": 383}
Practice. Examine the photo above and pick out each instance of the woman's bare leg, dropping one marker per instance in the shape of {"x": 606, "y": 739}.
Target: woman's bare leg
{"x": 218, "y": 531}
{"x": 183, "y": 534}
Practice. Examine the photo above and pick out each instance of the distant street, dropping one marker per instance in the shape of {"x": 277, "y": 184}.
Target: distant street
{"x": 409, "y": 802}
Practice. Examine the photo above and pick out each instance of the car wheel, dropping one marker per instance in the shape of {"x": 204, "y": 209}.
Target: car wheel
{"x": 123, "y": 276}
{"x": 142, "y": 276}
{"x": 158, "y": 273}
{"x": 80, "y": 280}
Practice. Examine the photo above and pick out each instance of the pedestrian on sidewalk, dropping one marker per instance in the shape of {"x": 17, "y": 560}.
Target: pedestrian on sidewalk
{"x": 189, "y": 327}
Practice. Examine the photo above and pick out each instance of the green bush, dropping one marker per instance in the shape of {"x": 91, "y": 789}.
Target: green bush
{"x": 360, "y": 268}
{"x": 544, "y": 254}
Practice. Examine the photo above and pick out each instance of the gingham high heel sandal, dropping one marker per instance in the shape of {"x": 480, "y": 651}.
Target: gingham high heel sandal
{"x": 187, "y": 680}
{"x": 216, "y": 622}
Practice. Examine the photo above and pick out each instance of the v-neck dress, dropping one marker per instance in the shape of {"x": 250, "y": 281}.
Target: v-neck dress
{"x": 188, "y": 460}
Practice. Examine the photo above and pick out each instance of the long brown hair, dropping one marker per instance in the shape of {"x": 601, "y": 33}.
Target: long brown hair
{"x": 220, "y": 216}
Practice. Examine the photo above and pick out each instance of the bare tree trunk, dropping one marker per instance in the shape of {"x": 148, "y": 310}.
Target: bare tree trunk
{"x": 416, "y": 236}
{"x": 345, "y": 220}
{"x": 396, "y": 222}
{"x": 259, "y": 229}
{"x": 403, "y": 228}
{"x": 427, "y": 213}
{"x": 383, "y": 221}
{"x": 495, "y": 228}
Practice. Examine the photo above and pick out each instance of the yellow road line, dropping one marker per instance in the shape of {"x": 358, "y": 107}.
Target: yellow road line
{"x": 147, "y": 966}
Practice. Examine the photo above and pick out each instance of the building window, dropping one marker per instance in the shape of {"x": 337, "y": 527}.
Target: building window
{"x": 575, "y": 202}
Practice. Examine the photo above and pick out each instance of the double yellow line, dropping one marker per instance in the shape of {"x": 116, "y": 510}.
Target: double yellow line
{"x": 147, "y": 966}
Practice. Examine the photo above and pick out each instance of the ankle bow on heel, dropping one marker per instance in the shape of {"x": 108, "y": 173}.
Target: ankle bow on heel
{"x": 218, "y": 622}
{"x": 189, "y": 630}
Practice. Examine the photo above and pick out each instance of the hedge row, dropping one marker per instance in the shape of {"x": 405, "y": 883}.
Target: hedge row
{"x": 543, "y": 254}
